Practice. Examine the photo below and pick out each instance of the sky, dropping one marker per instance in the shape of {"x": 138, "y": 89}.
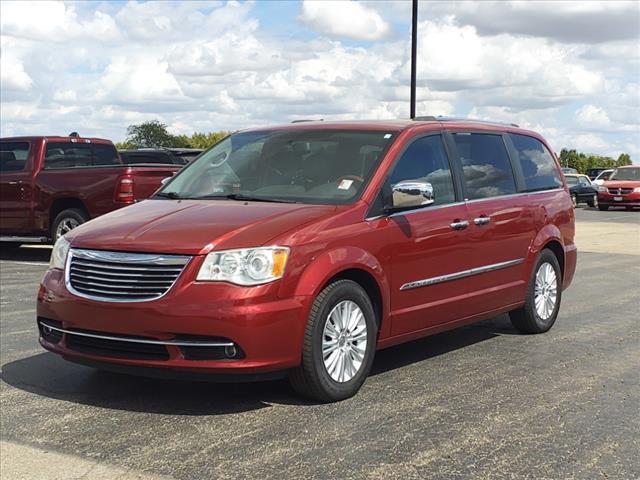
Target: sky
{"x": 569, "y": 70}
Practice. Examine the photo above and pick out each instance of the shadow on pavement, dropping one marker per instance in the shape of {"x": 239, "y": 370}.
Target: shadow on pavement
{"x": 48, "y": 375}
{"x": 25, "y": 254}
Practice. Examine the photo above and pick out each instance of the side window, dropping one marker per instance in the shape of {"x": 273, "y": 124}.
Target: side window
{"x": 584, "y": 182}
{"x": 539, "y": 169}
{"x": 13, "y": 156}
{"x": 105, "y": 155}
{"x": 67, "y": 155}
{"x": 426, "y": 160}
{"x": 485, "y": 165}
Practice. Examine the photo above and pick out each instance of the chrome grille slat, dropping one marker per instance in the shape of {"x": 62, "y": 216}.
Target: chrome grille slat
{"x": 620, "y": 191}
{"x": 82, "y": 276}
{"x": 121, "y": 276}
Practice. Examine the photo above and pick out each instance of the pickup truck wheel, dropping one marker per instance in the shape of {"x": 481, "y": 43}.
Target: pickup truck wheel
{"x": 339, "y": 344}
{"x": 544, "y": 293}
{"x": 66, "y": 221}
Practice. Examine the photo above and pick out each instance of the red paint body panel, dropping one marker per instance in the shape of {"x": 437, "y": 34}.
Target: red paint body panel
{"x": 27, "y": 197}
{"x": 268, "y": 321}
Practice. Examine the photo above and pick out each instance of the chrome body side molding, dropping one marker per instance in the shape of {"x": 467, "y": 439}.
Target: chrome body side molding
{"x": 463, "y": 274}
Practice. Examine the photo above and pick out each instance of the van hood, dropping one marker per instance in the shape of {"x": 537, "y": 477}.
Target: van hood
{"x": 193, "y": 226}
{"x": 622, "y": 183}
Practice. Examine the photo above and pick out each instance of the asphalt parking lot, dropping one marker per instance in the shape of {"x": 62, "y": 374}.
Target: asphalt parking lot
{"x": 478, "y": 402}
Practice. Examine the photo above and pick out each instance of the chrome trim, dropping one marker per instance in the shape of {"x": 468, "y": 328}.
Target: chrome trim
{"x": 517, "y": 194}
{"x": 482, "y": 220}
{"x": 24, "y": 239}
{"x": 459, "y": 225}
{"x": 172, "y": 264}
{"x": 463, "y": 274}
{"x": 133, "y": 340}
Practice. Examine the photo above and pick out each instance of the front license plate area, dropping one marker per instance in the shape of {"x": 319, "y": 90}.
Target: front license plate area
{"x": 617, "y": 199}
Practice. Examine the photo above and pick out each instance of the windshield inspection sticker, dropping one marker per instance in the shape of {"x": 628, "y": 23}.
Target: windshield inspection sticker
{"x": 345, "y": 184}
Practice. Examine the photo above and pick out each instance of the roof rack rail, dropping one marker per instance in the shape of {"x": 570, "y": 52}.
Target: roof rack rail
{"x": 308, "y": 120}
{"x": 439, "y": 118}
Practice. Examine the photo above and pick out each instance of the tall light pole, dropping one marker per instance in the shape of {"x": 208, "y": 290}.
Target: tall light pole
{"x": 414, "y": 45}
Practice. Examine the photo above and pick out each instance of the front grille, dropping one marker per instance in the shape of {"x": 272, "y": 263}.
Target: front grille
{"x": 116, "y": 348}
{"x": 620, "y": 191}
{"x": 122, "y": 277}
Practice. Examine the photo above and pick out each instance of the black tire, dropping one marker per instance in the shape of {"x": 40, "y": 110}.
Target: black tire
{"x": 574, "y": 200}
{"x": 593, "y": 203}
{"x": 603, "y": 208}
{"x": 70, "y": 216}
{"x": 311, "y": 379}
{"x": 526, "y": 319}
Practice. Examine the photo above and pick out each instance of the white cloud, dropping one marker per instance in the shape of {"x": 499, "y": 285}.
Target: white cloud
{"x": 344, "y": 18}
{"x": 12, "y": 74}
{"x": 591, "y": 117}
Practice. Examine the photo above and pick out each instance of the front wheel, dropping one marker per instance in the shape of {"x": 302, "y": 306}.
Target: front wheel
{"x": 603, "y": 208}
{"x": 593, "y": 202}
{"x": 544, "y": 293}
{"x": 339, "y": 344}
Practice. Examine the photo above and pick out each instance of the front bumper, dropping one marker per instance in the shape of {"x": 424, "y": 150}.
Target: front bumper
{"x": 267, "y": 331}
{"x": 629, "y": 200}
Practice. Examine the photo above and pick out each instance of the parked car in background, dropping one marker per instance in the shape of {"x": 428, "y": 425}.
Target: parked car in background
{"x": 593, "y": 173}
{"x": 300, "y": 249}
{"x": 164, "y": 156}
{"x": 582, "y": 190}
{"x": 50, "y": 185}
{"x": 603, "y": 176}
{"x": 569, "y": 170}
{"x": 621, "y": 190}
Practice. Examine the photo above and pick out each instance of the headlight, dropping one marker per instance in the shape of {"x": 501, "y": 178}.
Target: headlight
{"x": 602, "y": 188}
{"x": 59, "y": 253}
{"x": 248, "y": 266}
{"x": 636, "y": 190}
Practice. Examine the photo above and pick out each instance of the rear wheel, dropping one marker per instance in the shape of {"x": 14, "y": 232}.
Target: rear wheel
{"x": 66, "y": 221}
{"x": 339, "y": 344}
{"x": 544, "y": 293}
{"x": 603, "y": 207}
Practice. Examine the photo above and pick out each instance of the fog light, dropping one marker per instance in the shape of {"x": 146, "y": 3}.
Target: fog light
{"x": 230, "y": 351}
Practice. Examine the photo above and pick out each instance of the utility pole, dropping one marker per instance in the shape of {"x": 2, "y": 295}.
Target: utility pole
{"x": 414, "y": 45}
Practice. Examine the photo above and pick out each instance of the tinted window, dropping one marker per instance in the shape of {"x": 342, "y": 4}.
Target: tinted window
{"x": 74, "y": 155}
{"x": 538, "y": 166}
{"x": 146, "y": 157}
{"x": 105, "y": 155}
{"x": 584, "y": 181}
{"x": 426, "y": 160}
{"x": 485, "y": 165}
{"x": 626, "y": 174}
{"x": 13, "y": 156}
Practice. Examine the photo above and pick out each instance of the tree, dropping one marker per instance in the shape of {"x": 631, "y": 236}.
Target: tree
{"x": 583, "y": 162}
{"x": 149, "y": 134}
{"x": 623, "y": 159}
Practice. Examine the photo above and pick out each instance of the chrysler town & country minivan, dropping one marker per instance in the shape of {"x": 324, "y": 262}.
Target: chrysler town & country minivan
{"x": 302, "y": 249}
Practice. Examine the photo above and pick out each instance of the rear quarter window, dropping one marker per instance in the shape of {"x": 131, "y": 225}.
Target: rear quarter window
{"x": 62, "y": 155}
{"x": 539, "y": 169}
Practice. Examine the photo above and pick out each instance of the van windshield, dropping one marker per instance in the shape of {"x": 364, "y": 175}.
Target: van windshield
{"x": 306, "y": 166}
{"x": 626, "y": 174}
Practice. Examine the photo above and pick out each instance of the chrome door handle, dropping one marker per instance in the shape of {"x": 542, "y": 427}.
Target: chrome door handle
{"x": 459, "y": 224}
{"x": 482, "y": 220}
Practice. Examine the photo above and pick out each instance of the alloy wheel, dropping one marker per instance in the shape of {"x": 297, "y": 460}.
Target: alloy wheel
{"x": 65, "y": 226}
{"x": 344, "y": 341}
{"x": 546, "y": 291}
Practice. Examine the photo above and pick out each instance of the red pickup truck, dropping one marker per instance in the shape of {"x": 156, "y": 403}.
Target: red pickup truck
{"x": 50, "y": 185}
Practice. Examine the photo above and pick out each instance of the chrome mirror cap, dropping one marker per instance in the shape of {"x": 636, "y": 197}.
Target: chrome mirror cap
{"x": 412, "y": 194}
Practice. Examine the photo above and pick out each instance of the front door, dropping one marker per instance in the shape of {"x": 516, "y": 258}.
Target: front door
{"x": 15, "y": 188}
{"x": 430, "y": 246}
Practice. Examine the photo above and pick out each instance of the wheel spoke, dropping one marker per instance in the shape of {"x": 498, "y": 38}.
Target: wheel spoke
{"x": 344, "y": 341}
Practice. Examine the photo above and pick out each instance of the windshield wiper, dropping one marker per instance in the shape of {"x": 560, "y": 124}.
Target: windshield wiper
{"x": 243, "y": 197}
{"x": 171, "y": 195}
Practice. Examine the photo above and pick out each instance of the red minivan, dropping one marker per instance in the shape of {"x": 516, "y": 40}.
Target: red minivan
{"x": 302, "y": 249}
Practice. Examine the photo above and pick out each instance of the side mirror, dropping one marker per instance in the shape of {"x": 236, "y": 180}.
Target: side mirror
{"x": 165, "y": 180}
{"x": 412, "y": 194}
